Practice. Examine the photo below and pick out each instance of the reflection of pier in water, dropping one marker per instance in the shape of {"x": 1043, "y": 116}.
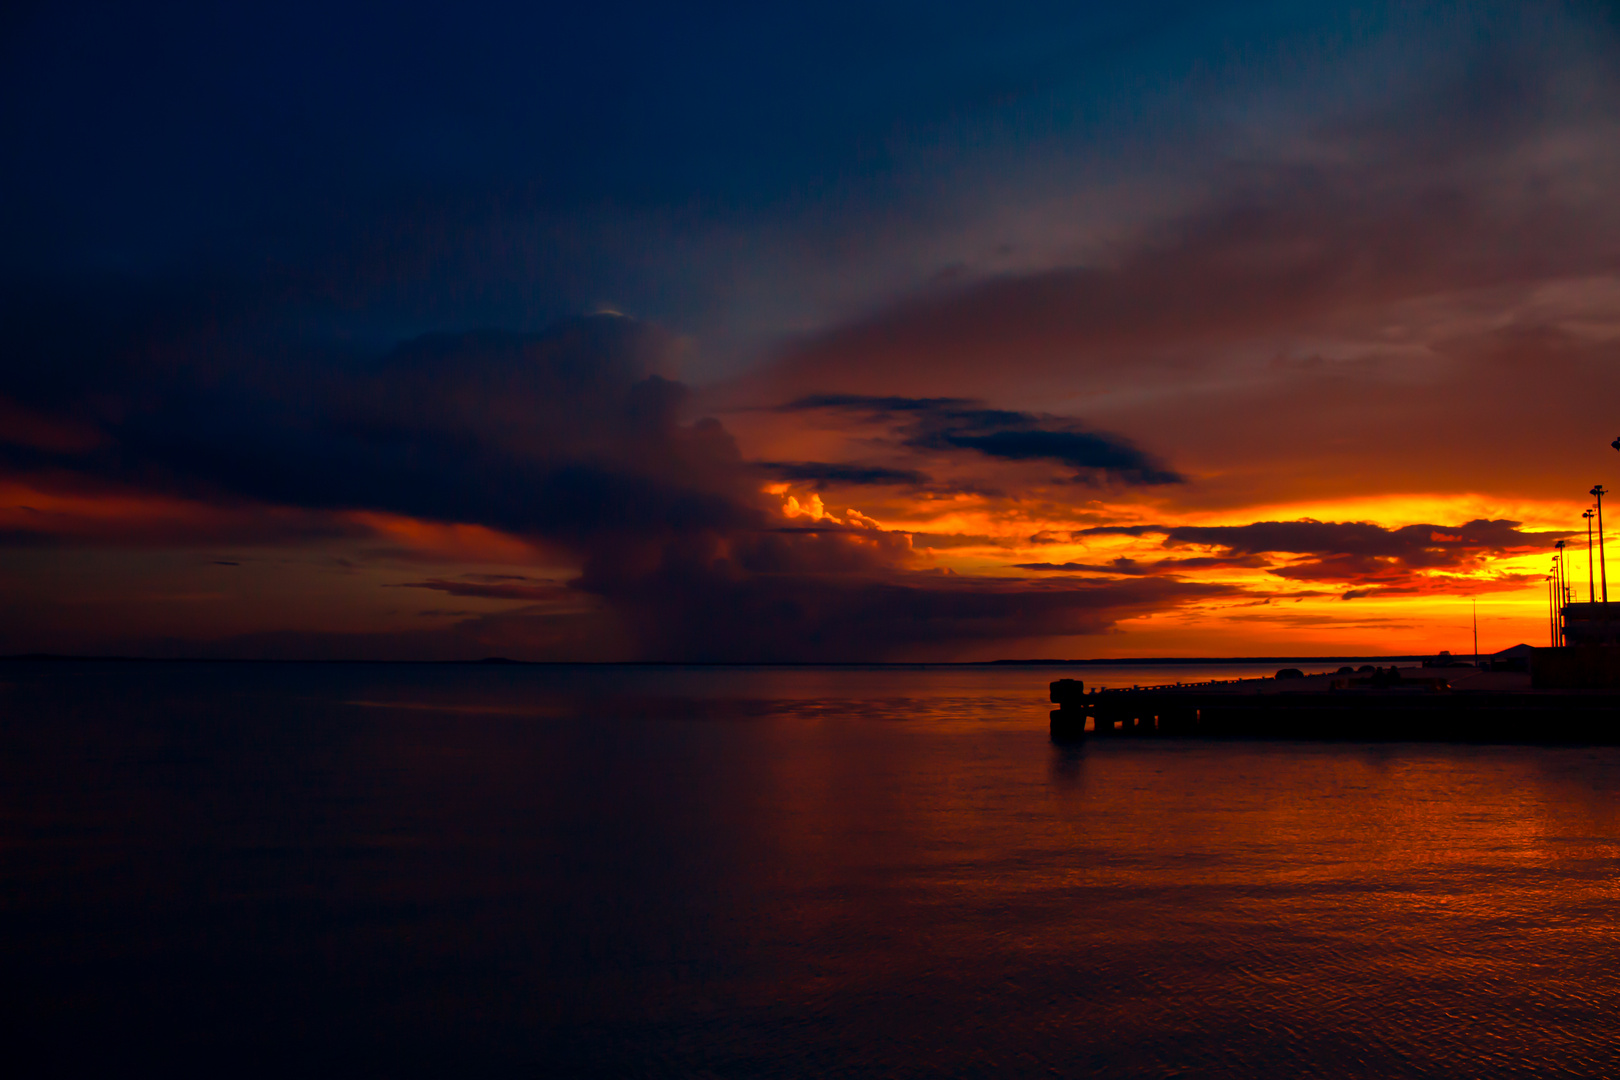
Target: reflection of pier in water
{"x": 1569, "y": 695}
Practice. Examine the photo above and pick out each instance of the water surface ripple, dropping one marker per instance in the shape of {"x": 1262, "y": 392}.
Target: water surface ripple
{"x": 791, "y": 872}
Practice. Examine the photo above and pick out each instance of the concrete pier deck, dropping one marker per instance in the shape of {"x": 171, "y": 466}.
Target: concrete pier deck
{"x": 1422, "y": 704}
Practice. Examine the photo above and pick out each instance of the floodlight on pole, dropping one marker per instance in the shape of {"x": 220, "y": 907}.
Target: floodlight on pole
{"x": 1603, "y": 569}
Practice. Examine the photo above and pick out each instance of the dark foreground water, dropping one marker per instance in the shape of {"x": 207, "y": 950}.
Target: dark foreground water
{"x": 333, "y": 870}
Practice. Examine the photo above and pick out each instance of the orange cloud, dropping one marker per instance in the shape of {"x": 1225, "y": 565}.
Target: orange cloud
{"x": 67, "y": 510}
{"x": 454, "y": 541}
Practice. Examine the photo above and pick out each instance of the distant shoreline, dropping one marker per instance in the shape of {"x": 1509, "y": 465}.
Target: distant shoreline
{"x": 496, "y": 661}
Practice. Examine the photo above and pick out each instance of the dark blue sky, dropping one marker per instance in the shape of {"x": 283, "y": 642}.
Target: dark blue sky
{"x": 735, "y": 172}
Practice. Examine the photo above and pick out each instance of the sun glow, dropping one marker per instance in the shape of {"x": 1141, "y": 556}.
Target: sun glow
{"x": 1420, "y": 596}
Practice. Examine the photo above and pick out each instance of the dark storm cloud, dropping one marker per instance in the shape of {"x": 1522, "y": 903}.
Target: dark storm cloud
{"x": 505, "y": 590}
{"x": 573, "y": 441}
{"x": 561, "y": 435}
{"x": 1352, "y": 551}
{"x": 948, "y": 541}
{"x": 1137, "y": 568}
{"x": 1364, "y": 539}
{"x": 947, "y": 424}
{"x": 826, "y": 472}
{"x": 767, "y": 617}
{"x": 763, "y": 618}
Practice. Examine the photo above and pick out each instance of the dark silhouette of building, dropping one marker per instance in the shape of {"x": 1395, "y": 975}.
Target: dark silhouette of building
{"x": 1591, "y": 624}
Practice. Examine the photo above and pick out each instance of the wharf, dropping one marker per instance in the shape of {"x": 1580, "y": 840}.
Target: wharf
{"x": 1419, "y": 704}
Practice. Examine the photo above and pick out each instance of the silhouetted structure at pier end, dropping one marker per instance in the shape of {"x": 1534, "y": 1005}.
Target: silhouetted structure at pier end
{"x": 1591, "y": 624}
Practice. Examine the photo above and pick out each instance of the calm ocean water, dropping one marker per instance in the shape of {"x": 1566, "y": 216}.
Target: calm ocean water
{"x": 792, "y": 872}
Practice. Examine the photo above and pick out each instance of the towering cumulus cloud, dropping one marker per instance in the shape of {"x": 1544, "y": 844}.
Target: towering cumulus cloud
{"x": 574, "y": 443}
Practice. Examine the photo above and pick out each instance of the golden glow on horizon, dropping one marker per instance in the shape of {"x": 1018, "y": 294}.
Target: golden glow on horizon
{"x": 1403, "y": 609}
{"x": 1271, "y": 603}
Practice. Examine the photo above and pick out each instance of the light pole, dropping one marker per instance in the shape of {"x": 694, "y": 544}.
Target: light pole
{"x": 1603, "y": 569}
{"x": 1552, "y": 635}
{"x": 1558, "y": 588}
{"x": 1566, "y": 591}
{"x": 1591, "y": 577}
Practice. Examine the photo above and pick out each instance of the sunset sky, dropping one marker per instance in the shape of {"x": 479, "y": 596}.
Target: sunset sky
{"x": 847, "y": 332}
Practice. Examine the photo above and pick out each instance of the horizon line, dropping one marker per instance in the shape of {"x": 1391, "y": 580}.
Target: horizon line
{"x": 502, "y": 661}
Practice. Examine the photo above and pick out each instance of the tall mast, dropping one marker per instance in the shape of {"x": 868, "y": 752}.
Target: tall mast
{"x": 1591, "y": 575}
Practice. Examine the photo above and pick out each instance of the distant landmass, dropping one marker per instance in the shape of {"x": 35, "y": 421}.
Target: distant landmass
{"x": 1520, "y": 649}
{"x": 1516, "y": 650}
